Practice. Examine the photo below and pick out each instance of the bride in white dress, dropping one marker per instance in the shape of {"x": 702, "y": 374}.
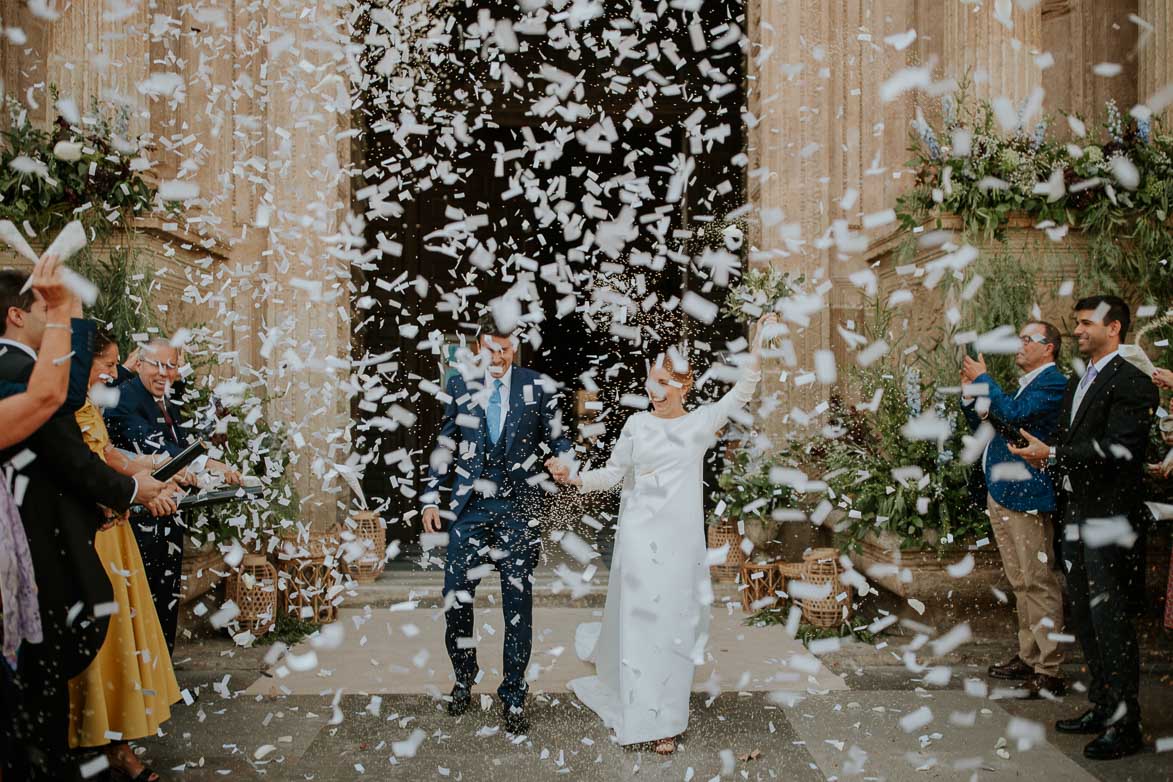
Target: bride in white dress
{"x": 655, "y": 624}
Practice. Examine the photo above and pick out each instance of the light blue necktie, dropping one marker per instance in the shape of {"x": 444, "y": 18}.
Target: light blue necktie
{"x": 494, "y": 413}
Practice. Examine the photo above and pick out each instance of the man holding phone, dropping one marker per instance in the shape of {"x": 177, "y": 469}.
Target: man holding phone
{"x": 1021, "y": 499}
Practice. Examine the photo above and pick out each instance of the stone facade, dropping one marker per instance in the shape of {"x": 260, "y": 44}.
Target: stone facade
{"x": 244, "y": 99}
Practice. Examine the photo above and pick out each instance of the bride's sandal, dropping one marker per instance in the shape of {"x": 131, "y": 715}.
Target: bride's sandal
{"x": 666, "y": 746}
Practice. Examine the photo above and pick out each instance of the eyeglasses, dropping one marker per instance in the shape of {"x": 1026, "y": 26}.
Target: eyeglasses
{"x": 160, "y": 365}
{"x": 1035, "y": 338}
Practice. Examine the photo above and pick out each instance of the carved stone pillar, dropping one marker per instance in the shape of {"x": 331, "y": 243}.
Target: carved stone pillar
{"x": 997, "y": 52}
{"x": 306, "y": 293}
{"x": 1080, "y": 35}
{"x": 1156, "y": 54}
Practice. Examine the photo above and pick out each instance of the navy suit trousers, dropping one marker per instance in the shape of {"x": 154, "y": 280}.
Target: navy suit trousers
{"x": 491, "y": 532}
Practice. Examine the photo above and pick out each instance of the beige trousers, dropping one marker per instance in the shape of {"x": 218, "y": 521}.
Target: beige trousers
{"x": 1021, "y": 537}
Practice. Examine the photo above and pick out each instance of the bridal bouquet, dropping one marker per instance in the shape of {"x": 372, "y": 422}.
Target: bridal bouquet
{"x": 759, "y": 289}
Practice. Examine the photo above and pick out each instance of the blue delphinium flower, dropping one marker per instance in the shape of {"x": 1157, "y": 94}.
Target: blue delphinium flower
{"x": 1040, "y": 135}
{"x": 1144, "y": 129}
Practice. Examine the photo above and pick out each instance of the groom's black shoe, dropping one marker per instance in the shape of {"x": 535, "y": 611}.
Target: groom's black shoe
{"x": 1117, "y": 741}
{"x": 461, "y": 698}
{"x": 515, "y": 721}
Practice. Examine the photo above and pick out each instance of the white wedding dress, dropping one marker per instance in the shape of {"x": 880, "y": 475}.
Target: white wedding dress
{"x": 655, "y": 624}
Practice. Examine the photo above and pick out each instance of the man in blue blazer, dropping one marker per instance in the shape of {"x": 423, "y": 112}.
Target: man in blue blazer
{"x": 1021, "y": 500}
{"x": 501, "y": 425}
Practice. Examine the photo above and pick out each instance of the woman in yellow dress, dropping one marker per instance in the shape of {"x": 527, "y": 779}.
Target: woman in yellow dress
{"x": 128, "y": 689}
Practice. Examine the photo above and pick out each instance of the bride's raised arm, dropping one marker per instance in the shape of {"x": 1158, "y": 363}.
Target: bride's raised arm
{"x": 743, "y": 390}
{"x": 619, "y": 463}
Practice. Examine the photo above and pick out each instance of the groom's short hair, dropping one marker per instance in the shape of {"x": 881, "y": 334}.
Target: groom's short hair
{"x": 487, "y": 327}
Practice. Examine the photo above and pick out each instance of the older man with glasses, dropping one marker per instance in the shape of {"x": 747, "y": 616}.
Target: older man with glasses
{"x": 147, "y": 420}
{"x": 1021, "y": 499}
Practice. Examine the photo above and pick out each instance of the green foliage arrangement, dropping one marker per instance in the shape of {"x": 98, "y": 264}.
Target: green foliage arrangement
{"x": 92, "y": 173}
{"x": 882, "y": 479}
{"x": 746, "y": 490}
{"x": 51, "y": 177}
{"x": 246, "y": 439}
{"x": 1114, "y": 184}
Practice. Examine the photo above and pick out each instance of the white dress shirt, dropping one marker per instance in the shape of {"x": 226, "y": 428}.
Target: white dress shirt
{"x": 10, "y": 343}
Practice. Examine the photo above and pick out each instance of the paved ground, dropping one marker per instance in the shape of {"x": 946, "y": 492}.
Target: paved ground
{"x": 362, "y": 709}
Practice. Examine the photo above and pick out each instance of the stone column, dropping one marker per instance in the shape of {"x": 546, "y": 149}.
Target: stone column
{"x": 1079, "y": 36}
{"x": 1156, "y": 54}
{"x": 997, "y": 53}
{"x": 306, "y": 292}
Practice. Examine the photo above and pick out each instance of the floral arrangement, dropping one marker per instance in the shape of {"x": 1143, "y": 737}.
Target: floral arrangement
{"x": 893, "y": 460}
{"x": 73, "y": 171}
{"x": 746, "y": 490}
{"x": 90, "y": 171}
{"x": 244, "y": 438}
{"x": 1115, "y": 184}
{"x": 758, "y": 290}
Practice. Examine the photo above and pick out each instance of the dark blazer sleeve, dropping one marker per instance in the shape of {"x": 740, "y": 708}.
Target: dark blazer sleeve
{"x": 1126, "y": 434}
{"x": 82, "y": 338}
{"x": 60, "y": 444}
{"x": 554, "y": 429}
{"x": 448, "y": 431}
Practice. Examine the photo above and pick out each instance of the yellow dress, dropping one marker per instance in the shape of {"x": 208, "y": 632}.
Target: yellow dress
{"x": 129, "y": 687}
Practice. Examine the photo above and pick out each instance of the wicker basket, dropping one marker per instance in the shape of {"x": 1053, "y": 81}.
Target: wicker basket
{"x": 370, "y": 533}
{"x": 202, "y": 570}
{"x": 821, "y": 566}
{"x": 768, "y": 584}
{"x": 308, "y": 572}
{"x": 253, "y": 587}
{"x": 718, "y": 535}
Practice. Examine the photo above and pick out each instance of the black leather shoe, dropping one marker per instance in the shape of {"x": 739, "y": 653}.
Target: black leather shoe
{"x": 1118, "y": 741}
{"x": 1089, "y": 723}
{"x": 461, "y": 698}
{"x": 515, "y": 721}
{"x": 1014, "y": 669}
{"x": 1039, "y": 683}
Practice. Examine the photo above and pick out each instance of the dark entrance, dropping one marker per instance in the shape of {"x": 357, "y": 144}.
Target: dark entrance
{"x": 513, "y": 195}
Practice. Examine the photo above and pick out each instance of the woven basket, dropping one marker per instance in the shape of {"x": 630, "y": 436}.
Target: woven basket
{"x": 370, "y": 533}
{"x": 821, "y": 566}
{"x": 253, "y": 587}
{"x": 768, "y": 584}
{"x": 307, "y": 574}
{"x": 201, "y": 571}
{"x": 718, "y": 535}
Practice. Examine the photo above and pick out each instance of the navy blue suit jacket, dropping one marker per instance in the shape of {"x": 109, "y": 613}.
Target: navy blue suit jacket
{"x": 136, "y": 423}
{"x": 1035, "y": 409}
{"x": 531, "y": 432}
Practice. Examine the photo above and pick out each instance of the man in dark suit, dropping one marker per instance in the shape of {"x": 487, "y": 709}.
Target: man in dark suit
{"x": 147, "y": 420}
{"x": 1098, "y": 459}
{"x": 1020, "y": 500}
{"x": 63, "y": 483}
{"x": 498, "y": 427}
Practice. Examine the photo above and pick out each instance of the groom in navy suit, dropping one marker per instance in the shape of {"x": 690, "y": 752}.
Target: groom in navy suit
{"x": 498, "y": 430}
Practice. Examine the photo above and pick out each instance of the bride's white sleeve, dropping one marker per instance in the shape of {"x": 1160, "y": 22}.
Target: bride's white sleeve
{"x": 619, "y": 463}
{"x": 735, "y": 398}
